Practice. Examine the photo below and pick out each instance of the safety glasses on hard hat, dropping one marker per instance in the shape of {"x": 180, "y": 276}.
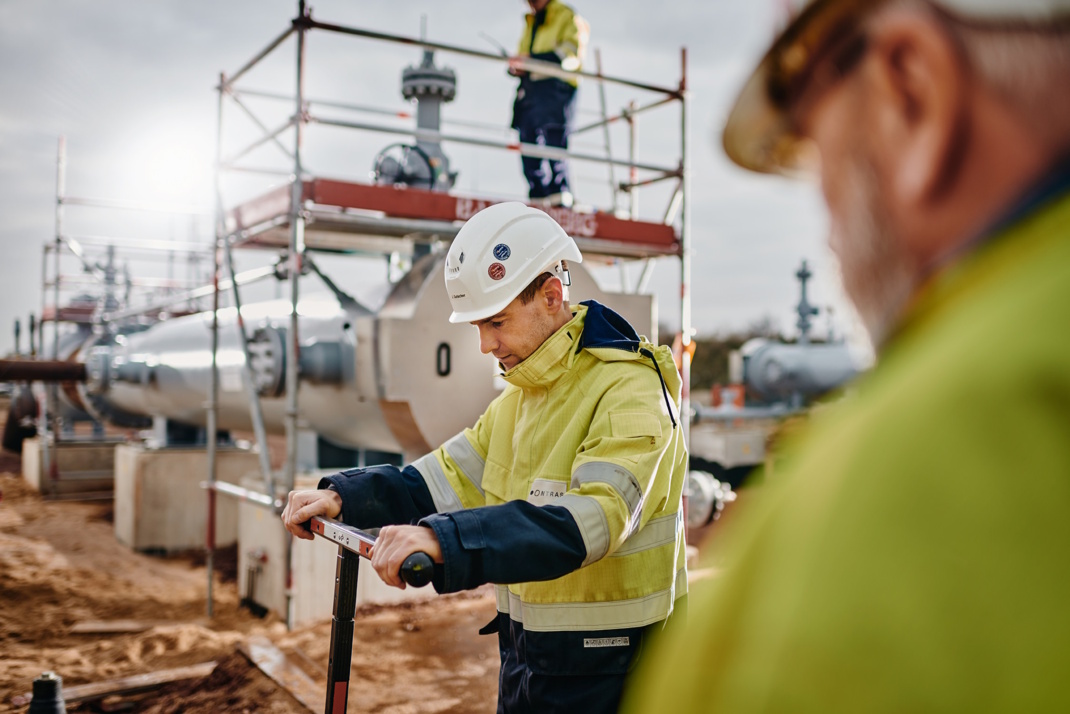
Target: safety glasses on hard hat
{"x": 824, "y": 43}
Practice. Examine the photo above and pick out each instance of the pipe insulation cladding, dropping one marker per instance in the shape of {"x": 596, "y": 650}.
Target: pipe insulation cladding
{"x": 776, "y": 371}
{"x": 400, "y": 378}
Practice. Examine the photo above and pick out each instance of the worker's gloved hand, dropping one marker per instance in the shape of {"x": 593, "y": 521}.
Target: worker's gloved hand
{"x": 301, "y": 506}
{"x": 396, "y": 543}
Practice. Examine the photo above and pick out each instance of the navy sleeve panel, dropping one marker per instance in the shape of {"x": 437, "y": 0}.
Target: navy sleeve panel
{"x": 381, "y": 496}
{"x": 514, "y": 542}
{"x": 546, "y": 57}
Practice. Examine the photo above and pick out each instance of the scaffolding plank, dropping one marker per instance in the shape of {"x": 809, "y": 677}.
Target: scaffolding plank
{"x": 262, "y": 219}
{"x": 263, "y": 653}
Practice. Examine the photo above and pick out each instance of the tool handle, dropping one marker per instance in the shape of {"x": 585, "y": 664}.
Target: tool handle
{"x": 417, "y": 569}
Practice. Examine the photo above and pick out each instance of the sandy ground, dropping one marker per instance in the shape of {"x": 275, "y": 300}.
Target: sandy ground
{"x": 60, "y": 565}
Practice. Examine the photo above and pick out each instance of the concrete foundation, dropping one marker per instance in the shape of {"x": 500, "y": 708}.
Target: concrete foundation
{"x": 159, "y": 504}
{"x": 83, "y": 468}
{"x": 262, "y": 562}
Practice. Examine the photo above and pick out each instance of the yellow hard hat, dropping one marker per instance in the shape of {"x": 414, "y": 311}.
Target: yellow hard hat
{"x": 758, "y": 136}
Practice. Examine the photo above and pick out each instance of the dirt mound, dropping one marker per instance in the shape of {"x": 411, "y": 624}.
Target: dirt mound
{"x": 61, "y": 568}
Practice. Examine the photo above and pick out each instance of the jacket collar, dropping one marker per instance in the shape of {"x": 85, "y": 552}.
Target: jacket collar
{"x": 553, "y": 358}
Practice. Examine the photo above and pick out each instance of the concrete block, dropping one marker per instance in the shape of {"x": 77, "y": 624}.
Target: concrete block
{"x": 82, "y": 466}
{"x": 262, "y": 558}
{"x": 159, "y": 504}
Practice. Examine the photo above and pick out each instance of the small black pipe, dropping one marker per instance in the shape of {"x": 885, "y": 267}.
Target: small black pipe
{"x": 13, "y": 370}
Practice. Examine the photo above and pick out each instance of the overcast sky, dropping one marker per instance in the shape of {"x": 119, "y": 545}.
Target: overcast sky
{"x": 131, "y": 85}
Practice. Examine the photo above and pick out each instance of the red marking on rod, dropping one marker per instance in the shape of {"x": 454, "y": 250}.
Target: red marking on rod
{"x": 210, "y": 531}
{"x": 340, "y": 691}
{"x": 513, "y": 147}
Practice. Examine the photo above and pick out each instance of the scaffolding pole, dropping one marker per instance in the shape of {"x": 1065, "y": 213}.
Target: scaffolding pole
{"x": 685, "y": 251}
{"x": 213, "y": 379}
{"x": 297, "y": 253}
{"x": 255, "y": 408}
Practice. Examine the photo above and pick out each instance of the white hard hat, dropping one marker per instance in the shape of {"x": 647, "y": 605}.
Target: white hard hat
{"x": 757, "y": 135}
{"x": 497, "y": 254}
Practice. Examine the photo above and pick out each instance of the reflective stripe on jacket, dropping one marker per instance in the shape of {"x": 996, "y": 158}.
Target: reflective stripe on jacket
{"x": 561, "y": 39}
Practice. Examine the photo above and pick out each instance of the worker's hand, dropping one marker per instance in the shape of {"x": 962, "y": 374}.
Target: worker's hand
{"x": 515, "y": 66}
{"x": 396, "y": 543}
{"x": 302, "y": 505}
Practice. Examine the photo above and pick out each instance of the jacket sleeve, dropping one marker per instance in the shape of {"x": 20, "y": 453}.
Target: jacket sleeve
{"x": 381, "y": 496}
{"x": 514, "y": 542}
{"x": 618, "y": 480}
{"x": 572, "y": 34}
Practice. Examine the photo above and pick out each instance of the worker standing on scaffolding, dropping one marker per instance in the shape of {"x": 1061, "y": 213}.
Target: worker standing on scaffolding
{"x": 544, "y": 106}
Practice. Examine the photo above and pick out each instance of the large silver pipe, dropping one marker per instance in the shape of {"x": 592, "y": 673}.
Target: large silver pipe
{"x": 776, "y": 371}
{"x": 368, "y": 378}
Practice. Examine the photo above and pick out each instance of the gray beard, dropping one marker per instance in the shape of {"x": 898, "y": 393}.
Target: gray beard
{"x": 877, "y": 275}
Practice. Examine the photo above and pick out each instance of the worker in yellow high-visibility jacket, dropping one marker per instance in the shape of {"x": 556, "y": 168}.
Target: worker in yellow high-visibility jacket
{"x": 566, "y": 494}
{"x": 545, "y": 105}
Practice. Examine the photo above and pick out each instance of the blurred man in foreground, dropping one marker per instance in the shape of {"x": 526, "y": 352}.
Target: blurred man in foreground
{"x": 915, "y": 554}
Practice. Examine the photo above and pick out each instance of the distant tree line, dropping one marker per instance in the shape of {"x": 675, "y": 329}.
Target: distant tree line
{"x": 710, "y": 364}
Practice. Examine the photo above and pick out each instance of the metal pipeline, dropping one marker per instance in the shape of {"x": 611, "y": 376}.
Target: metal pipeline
{"x": 13, "y": 370}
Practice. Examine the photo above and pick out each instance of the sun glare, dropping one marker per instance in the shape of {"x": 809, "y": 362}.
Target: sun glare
{"x": 172, "y": 167}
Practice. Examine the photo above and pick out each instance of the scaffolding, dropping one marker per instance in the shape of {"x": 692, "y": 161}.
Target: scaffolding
{"x": 122, "y": 297}
{"x": 315, "y": 213}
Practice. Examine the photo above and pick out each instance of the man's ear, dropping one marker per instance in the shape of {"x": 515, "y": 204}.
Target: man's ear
{"x": 918, "y": 98}
{"x": 552, "y": 295}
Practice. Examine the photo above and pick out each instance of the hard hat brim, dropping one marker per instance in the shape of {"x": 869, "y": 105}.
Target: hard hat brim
{"x": 758, "y": 135}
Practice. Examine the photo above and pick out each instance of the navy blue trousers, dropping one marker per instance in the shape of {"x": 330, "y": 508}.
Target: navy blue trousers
{"x": 543, "y": 115}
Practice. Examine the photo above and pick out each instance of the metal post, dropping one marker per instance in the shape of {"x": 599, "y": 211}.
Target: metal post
{"x": 43, "y": 416}
{"x": 254, "y": 397}
{"x": 52, "y": 390}
{"x": 213, "y": 389}
{"x": 633, "y": 171}
{"x": 685, "y": 250}
{"x": 613, "y": 189}
{"x": 297, "y": 252}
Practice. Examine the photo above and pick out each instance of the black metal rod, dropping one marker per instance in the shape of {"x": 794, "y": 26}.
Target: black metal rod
{"x": 342, "y": 623}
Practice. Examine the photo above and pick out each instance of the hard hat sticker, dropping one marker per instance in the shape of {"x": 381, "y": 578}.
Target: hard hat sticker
{"x": 502, "y": 252}
{"x": 460, "y": 258}
{"x": 496, "y": 271}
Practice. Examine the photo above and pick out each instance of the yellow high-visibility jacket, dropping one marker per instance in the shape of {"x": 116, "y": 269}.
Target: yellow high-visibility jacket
{"x": 566, "y": 494}
{"x": 914, "y": 554}
{"x": 561, "y": 39}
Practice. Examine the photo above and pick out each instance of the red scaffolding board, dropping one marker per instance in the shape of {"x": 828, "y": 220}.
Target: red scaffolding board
{"x": 349, "y": 217}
